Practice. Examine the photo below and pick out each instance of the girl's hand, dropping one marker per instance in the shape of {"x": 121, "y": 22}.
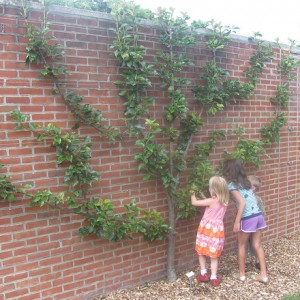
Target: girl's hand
{"x": 236, "y": 227}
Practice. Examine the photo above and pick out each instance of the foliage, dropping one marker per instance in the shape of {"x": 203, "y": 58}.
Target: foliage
{"x": 217, "y": 92}
{"x": 7, "y": 189}
{"x": 259, "y": 58}
{"x": 218, "y": 36}
{"x": 286, "y": 67}
{"x": 199, "y": 175}
{"x": 98, "y": 5}
{"x": 198, "y": 178}
{"x": 164, "y": 146}
{"x": 135, "y": 70}
{"x": 218, "y": 89}
{"x": 117, "y": 227}
{"x": 42, "y": 50}
{"x": 39, "y": 49}
{"x": 170, "y": 63}
{"x": 178, "y": 36}
{"x": 71, "y": 149}
{"x": 101, "y": 218}
{"x": 282, "y": 96}
{"x": 74, "y": 152}
{"x": 249, "y": 151}
{"x": 288, "y": 63}
{"x": 271, "y": 133}
{"x": 154, "y": 159}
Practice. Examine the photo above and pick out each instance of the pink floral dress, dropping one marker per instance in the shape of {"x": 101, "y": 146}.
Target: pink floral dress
{"x": 210, "y": 235}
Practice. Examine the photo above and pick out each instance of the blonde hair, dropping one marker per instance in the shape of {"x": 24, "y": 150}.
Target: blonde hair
{"x": 218, "y": 187}
{"x": 255, "y": 181}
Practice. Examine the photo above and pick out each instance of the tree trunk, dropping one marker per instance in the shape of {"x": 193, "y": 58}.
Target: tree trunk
{"x": 171, "y": 271}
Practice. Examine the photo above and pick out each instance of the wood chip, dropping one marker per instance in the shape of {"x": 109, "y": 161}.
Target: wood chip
{"x": 283, "y": 261}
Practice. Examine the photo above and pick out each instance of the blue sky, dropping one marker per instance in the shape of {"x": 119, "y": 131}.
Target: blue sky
{"x": 272, "y": 18}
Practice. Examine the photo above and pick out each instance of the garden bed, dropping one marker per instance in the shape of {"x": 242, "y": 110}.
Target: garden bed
{"x": 283, "y": 262}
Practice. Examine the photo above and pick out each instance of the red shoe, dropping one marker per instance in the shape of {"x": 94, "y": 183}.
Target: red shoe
{"x": 203, "y": 278}
{"x": 215, "y": 282}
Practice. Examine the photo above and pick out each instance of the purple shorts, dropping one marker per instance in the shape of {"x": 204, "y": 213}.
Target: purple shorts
{"x": 253, "y": 224}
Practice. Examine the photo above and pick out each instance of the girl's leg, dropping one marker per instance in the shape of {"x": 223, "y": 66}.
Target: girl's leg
{"x": 214, "y": 280}
{"x": 243, "y": 238}
{"x": 214, "y": 267}
{"x": 256, "y": 243}
{"x": 202, "y": 262}
{"x": 203, "y": 276}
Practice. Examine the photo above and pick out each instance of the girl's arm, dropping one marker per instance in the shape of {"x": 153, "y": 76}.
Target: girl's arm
{"x": 204, "y": 202}
{"x": 241, "y": 206}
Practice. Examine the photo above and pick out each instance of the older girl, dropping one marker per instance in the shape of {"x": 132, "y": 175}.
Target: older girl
{"x": 249, "y": 218}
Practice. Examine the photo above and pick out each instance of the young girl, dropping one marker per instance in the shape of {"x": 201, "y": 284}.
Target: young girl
{"x": 210, "y": 234}
{"x": 249, "y": 219}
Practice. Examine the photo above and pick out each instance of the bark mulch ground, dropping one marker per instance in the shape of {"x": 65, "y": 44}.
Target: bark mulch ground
{"x": 283, "y": 261}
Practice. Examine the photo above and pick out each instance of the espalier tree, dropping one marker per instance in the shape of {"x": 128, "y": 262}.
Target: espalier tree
{"x": 221, "y": 91}
{"x": 166, "y": 152}
{"x": 164, "y": 144}
{"x": 286, "y": 68}
{"x": 73, "y": 152}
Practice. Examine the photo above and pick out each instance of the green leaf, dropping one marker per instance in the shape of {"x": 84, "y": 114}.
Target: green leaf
{"x": 10, "y": 197}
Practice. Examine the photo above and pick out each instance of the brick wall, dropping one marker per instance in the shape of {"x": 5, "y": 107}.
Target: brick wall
{"x": 42, "y": 256}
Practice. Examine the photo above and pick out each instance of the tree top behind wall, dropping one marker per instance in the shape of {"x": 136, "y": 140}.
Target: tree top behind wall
{"x": 95, "y": 5}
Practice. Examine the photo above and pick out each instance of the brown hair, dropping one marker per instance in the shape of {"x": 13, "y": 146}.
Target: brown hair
{"x": 218, "y": 187}
{"x": 234, "y": 171}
